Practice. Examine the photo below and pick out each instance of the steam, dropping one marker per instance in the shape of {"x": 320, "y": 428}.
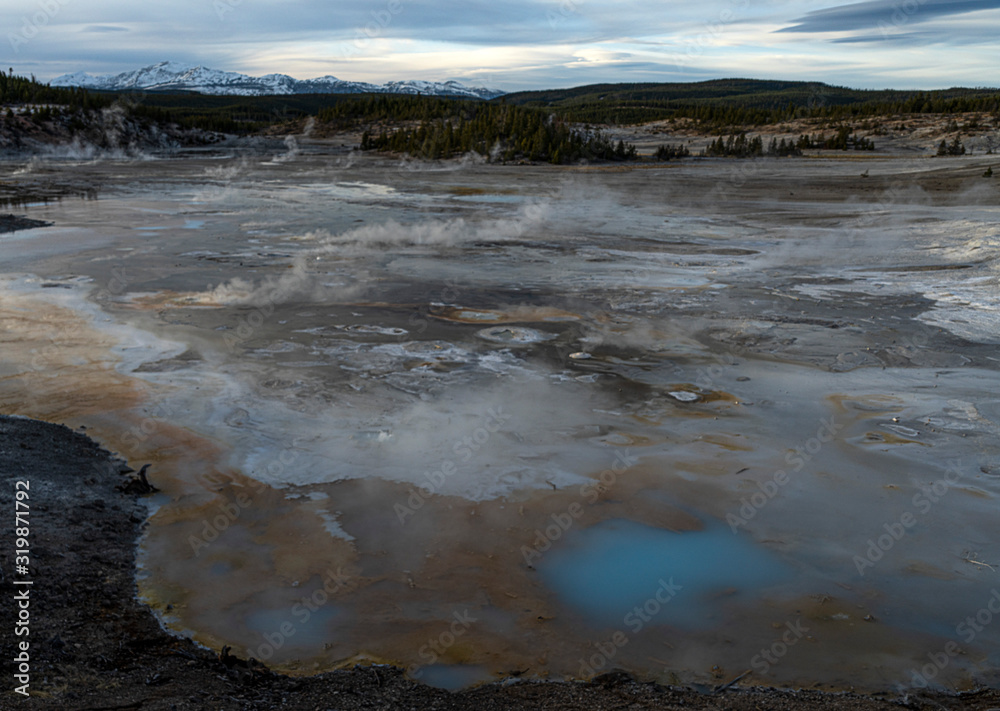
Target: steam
{"x": 230, "y": 171}
{"x": 292, "y": 151}
{"x": 301, "y": 280}
{"x": 114, "y": 136}
{"x": 292, "y": 148}
{"x": 489, "y": 440}
{"x": 34, "y": 164}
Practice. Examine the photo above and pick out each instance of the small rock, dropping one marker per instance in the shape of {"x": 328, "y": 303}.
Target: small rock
{"x": 684, "y": 395}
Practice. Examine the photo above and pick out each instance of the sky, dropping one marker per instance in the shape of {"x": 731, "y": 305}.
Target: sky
{"x": 518, "y": 44}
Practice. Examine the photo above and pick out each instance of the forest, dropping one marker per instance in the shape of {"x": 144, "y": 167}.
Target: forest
{"x": 499, "y": 132}
{"x": 560, "y": 126}
{"x": 15, "y": 90}
{"x": 748, "y": 102}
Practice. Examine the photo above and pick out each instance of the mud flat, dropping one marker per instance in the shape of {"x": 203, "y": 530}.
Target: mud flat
{"x": 705, "y": 422}
{"x": 95, "y": 646}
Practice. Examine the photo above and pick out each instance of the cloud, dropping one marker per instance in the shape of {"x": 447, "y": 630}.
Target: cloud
{"x": 880, "y": 13}
{"x": 901, "y": 37}
{"x": 522, "y": 44}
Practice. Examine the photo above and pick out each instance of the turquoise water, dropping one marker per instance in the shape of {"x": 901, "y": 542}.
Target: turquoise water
{"x": 683, "y": 579}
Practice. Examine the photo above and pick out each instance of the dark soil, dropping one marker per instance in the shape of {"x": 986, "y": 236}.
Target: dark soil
{"x": 12, "y": 223}
{"x": 93, "y": 645}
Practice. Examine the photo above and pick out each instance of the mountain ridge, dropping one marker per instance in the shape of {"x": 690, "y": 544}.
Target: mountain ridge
{"x": 174, "y": 76}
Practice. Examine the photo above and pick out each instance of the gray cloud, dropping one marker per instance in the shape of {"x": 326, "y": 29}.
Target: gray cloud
{"x": 898, "y": 37}
{"x": 468, "y": 22}
{"x": 582, "y": 73}
{"x": 884, "y": 13}
{"x": 537, "y": 43}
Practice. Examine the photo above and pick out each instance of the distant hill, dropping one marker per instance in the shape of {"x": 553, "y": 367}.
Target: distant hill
{"x": 745, "y": 100}
{"x": 740, "y": 90}
{"x": 171, "y": 76}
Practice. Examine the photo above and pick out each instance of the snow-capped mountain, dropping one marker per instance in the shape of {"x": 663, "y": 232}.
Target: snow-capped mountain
{"x": 171, "y": 76}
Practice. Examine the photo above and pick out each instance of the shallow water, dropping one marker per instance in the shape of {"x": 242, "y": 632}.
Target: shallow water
{"x": 607, "y": 571}
{"x": 468, "y": 420}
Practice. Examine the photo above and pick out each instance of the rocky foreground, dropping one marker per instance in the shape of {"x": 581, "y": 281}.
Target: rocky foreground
{"x": 92, "y": 645}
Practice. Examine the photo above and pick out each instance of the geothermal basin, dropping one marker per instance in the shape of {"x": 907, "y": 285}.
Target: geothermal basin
{"x": 480, "y": 421}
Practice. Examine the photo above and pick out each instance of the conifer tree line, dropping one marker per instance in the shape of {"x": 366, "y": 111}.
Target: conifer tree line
{"x": 73, "y": 105}
{"x": 709, "y": 114}
{"x": 670, "y": 151}
{"x": 844, "y": 139}
{"x": 350, "y": 111}
{"x": 18, "y": 90}
{"x": 500, "y": 132}
{"x": 955, "y": 148}
{"x": 736, "y": 146}
{"x": 740, "y": 146}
